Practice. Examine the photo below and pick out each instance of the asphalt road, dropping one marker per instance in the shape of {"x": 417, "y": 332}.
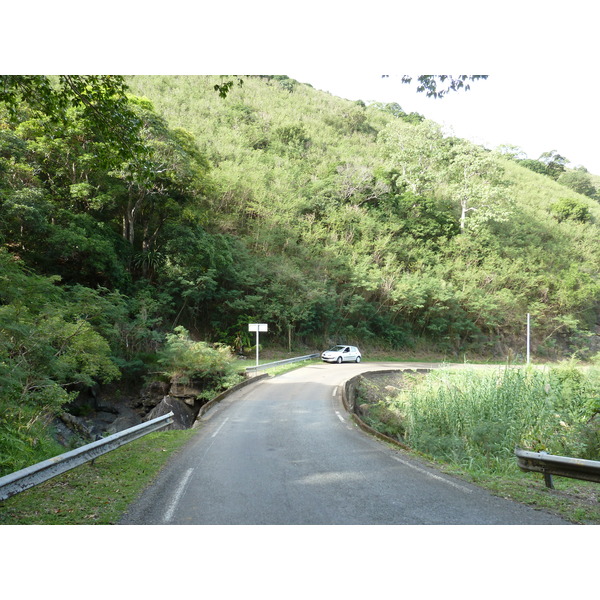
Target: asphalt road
{"x": 283, "y": 451}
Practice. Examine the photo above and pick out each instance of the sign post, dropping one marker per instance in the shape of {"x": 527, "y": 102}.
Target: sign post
{"x": 257, "y": 327}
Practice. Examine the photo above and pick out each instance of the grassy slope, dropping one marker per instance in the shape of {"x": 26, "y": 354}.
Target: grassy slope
{"x": 189, "y": 102}
{"x": 537, "y": 233}
{"x": 95, "y": 493}
{"x": 277, "y": 188}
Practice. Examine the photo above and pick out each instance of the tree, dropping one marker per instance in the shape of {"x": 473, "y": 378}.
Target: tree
{"x": 294, "y": 139}
{"x": 102, "y": 98}
{"x": 47, "y": 350}
{"x": 511, "y": 151}
{"x": 475, "y": 180}
{"x": 579, "y": 181}
{"x": 358, "y": 184}
{"x": 161, "y": 181}
{"x": 425, "y": 219}
{"x": 555, "y": 163}
{"x": 570, "y": 208}
{"x": 415, "y": 152}
{"x": 534, "y": 165}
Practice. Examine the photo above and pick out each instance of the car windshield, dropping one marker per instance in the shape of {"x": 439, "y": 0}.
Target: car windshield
{"x": 337, "y": 348}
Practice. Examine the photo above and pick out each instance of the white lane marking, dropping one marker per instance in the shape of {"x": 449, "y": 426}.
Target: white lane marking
{"x": 456, "y": 485}
{"x": 340, "y": 416}
{"x": 220, "y": 427}
{"x": 177, "y": 496}
{"x": 334, "y": 391}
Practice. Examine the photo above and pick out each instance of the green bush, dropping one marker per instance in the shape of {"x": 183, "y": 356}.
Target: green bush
{"x": 25, "y": 438}
{"x": 570, "y": 208}
{"x": 47, "y": 349}
{"x": 186, "y": 360}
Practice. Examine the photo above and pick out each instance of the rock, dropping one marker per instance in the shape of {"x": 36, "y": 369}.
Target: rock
{"x": 66, "y": 436}
{"x": 183, "y": 417}
{"x": 363, "y": 409}
{"x": 184, "y": 390}
{"x": 76, "y": 424}
{"x": 151, "y": 395}
{"x": 123, "y": 422}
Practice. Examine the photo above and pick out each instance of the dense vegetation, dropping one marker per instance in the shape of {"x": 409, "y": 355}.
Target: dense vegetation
{"x": 475, "y": 418}
{"x": 125, "y": 217}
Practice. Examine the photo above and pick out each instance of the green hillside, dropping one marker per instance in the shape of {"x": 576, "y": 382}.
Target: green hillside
{"x": 123, "y": 218}
{"x": 338, "y": 245}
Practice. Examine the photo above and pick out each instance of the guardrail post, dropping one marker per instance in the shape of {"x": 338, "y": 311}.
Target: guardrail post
{"x": 547, "y": 476}
{"x": 561, "y": 466}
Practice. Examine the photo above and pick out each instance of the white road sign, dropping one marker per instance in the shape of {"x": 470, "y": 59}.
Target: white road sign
{"x": 257, "y": 327}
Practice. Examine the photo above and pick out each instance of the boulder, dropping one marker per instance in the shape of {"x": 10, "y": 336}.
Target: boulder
{"x": 185, "y": 390}
{"x": 151, "y": 395}
{"x": 183, "y": 415}
{"x": 123, "y": 422}
{"x": 76, "y": 425}
{"x": 68, "y": 434}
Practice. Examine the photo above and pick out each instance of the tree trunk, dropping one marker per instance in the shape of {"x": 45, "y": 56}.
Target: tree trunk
{"x": 463, "y": 215}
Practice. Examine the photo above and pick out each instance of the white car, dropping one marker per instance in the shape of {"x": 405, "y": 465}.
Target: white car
{"x": 340, "y": 354}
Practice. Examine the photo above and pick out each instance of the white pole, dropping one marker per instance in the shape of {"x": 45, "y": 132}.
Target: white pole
{"x": 257, "y": 327}
{"x": 257, "y": 346}
{"x": 528, "y": 337}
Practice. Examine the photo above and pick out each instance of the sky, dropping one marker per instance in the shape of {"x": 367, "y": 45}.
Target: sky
{"x": 542, "y": 92}
{"x": 523, "y": 110}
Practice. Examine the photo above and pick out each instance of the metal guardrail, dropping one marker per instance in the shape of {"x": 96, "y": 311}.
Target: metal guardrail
{"x": 28, "y": 477}
{"x": 562, "y": 466}
{"x": 281, "y": 362}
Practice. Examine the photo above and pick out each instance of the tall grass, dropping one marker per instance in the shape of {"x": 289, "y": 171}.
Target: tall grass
{"x": 25, "y": 437}
{"x": 476, "y": 418}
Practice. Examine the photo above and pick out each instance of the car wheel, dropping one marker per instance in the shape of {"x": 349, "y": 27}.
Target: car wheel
{"x": 339, "y": 360}
{"x": 358, "y": 359}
